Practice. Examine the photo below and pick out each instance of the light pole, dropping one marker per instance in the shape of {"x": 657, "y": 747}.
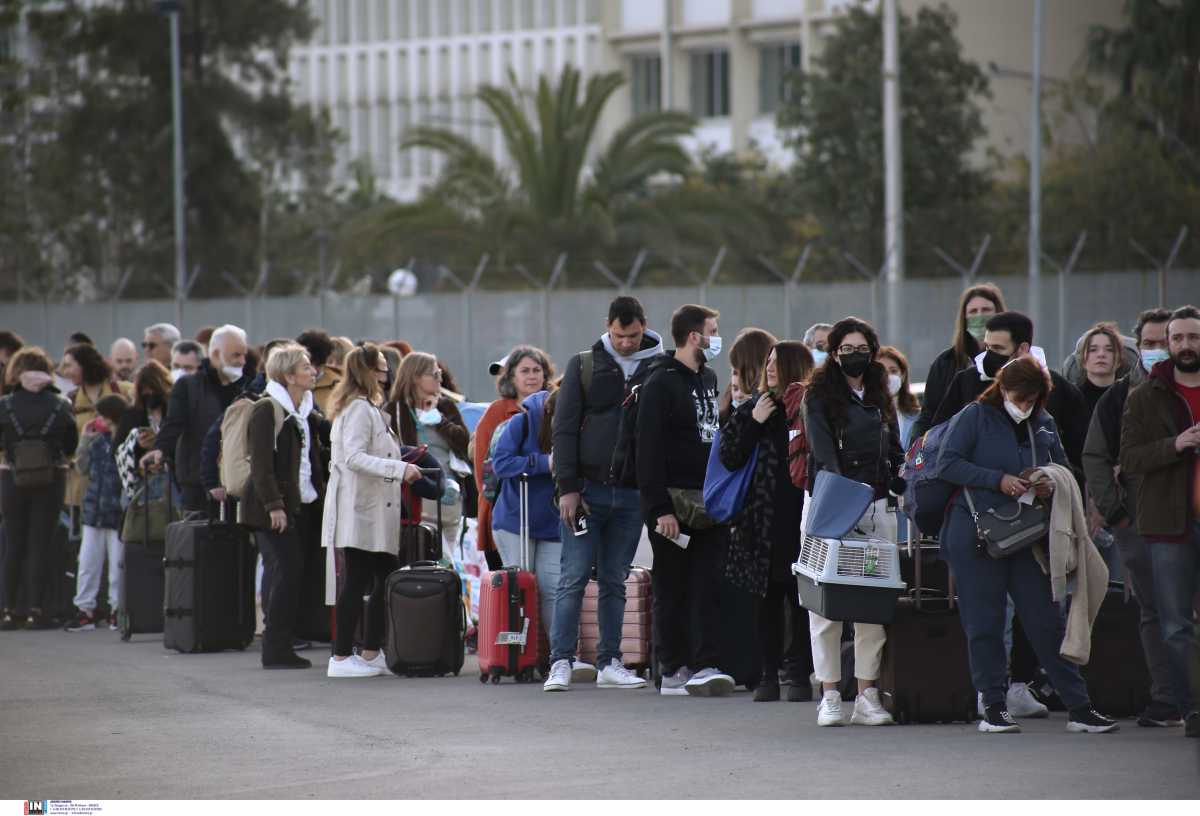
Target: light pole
{"x": 171, "y": 8}
{"x": 1035, "y": 173}
{"x": 893, "y": 245}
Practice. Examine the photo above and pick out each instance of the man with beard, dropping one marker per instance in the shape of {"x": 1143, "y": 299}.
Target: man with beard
{"x": 1160, "y": 442}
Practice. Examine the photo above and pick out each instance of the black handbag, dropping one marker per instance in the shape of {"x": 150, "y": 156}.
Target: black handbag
{"x": 1005, "y": 531}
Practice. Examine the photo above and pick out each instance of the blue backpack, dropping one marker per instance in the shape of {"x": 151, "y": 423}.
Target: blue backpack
{"x": 927, "y": 494}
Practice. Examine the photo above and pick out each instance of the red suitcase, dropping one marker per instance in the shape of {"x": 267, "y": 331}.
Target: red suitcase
{"x": 509, "y": 628}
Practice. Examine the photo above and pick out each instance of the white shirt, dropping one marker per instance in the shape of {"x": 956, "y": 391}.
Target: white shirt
{"x": 308, "y": 493}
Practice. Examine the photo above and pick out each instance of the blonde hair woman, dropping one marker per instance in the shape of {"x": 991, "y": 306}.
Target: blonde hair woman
{"x": 362, "y": 516}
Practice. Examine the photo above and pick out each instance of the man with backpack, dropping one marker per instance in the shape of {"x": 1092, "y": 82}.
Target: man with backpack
{"x": 676, "y": 425}
{"x": 598, "y": 503}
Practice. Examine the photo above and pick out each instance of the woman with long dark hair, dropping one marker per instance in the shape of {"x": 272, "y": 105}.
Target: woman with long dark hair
{"x": 850, "y": 422}
{"x": 765, "y": 541}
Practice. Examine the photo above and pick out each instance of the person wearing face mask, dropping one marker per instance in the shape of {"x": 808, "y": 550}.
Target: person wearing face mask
{"x": 282, "y": 502}
{"x": 746, "y": 355}
{"x": 850, "y": 422}
{"x": 766, "y": 539}
{"x": 1160, "y": 444}
{"x": 976, "y": 306}
{"x": 422, "y": 415}
{"x": 1007, "y": 336}
{"x": 907, "y": 408}
{"x": 817, "y": 340}
{"x": 197, "y": 401}
{"x": 186, "y": 357}
{"x": 985, "y": 449}
{"x": 151, "y": 390}
{"x": 1114, "y": 493}
{"x": 677, "y": 421}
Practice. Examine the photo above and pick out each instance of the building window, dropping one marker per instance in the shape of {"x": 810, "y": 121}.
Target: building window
{"x": 646, "y": 84}
{"x": 710, "y": 83}
{"x": 776, "y": 62}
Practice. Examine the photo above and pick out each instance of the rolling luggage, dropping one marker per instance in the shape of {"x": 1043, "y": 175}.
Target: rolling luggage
{"x": 509, "y": 628}
{"x": 419, "y": 540}
{"x": 426, "y": 621}
{"x": 209, "y": 578}
{"x": 1117, "y": 678}
{"x": 926, "y": 674}
{"x": 636, "y": 631}
{"x": 142, "y": 575}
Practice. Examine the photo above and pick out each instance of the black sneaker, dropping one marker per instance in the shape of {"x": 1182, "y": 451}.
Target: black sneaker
{"x": 1085, "y": 720}
{"x": 83, "y": 623}
{"x": 290, "y": 661}
{"x": 997, "y": 720}
{"x": 1191, "y": 726}
{"x": 42, "y": 621}
{"x": 11, "y": 622}
{"x": 767, "y": 690}
{"x": 1160, "y": 715}
{"x": 300, "y": 645}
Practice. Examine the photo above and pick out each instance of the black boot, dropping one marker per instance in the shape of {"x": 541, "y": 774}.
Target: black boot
{"x": 11, "y": 622}
{"x": 799, "y": 688}
{"x": 767, "y": 690}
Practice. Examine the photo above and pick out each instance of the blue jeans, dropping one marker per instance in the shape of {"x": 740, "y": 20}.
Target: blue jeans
{"x": 1176, "y": 580}
{"x": 614, "y": 529}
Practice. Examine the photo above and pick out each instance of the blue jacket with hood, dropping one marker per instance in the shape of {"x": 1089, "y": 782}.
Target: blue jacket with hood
{"x": 517, "y": 452}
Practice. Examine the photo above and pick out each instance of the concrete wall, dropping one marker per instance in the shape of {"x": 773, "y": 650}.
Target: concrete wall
{"x": 469, "y": 331}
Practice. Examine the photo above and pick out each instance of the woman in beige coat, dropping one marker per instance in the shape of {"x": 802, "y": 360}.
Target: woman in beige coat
{"x": 362, "y": 508}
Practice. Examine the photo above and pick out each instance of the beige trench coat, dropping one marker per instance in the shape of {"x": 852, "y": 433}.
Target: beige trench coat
{"x": 362, "y": 505}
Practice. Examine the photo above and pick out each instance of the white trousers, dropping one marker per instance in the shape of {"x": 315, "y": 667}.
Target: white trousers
{"x": 97, "y": 545}
{"x": 826, "y": 635}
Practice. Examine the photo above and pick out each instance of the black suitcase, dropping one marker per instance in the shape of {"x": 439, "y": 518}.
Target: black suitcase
{"x": 926, "y": 671}
{"x": 1117, "y": 678}
{"x": 426, "y": 621}
{"x": 209, "y": 577}
{"x": 142, "y": 577}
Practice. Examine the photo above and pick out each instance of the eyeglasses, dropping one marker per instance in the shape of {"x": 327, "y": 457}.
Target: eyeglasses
{"x": 150, "y": 344}
{"x": 436, "y": 374}
{"x": 853, "y": 349}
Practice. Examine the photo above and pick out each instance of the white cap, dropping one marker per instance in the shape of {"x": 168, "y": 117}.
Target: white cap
{"x": 496, "y": 366}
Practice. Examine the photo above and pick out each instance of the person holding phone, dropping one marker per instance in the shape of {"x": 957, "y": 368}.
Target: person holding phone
{"x": 986, "y": 449}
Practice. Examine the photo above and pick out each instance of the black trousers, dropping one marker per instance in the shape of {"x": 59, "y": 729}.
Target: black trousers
{"x": 30, "y": 516}
{"x": 284, "y": 555}
{"x": 687, "y": 585}
{"x": 366, "y": 573}
{"x": 782, "y": 633}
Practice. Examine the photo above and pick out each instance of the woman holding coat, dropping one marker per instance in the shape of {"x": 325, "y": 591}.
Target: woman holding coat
{"x": 362, "y": 514}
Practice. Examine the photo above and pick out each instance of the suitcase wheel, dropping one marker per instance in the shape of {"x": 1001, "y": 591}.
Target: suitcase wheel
{"x": 525, "y": 676}
{"x": 483, "y": 678}
{"x": 495, "y": 679}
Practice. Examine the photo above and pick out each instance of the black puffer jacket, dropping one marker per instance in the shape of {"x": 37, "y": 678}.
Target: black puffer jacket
{"x": 941, "y": 374}
{"x": 863, "y": 447}
{"x": 197, "y": 401}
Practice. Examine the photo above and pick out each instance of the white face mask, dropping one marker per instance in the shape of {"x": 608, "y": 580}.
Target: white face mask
{"x": 234, "y": 373}
{"x": 1016, "y": 413}
{"x": 894, "y": 383}
{"x": 430, "y": 417}
{"x": 713, "y": 348}
{"x": 178, "y": 374}
{"x": 819, "y": 357}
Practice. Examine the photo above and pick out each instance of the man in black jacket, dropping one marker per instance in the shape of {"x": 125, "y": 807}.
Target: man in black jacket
{"x": 676, "y": 426}
{"x": 197, "y": 400}
{"x": 1010, "y": 335}
{"x": 600, "y": 511}
{"x": 1114, "y": 494}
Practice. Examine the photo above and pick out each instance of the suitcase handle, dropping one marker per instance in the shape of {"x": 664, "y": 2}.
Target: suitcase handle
{"x": 426, "y": 564}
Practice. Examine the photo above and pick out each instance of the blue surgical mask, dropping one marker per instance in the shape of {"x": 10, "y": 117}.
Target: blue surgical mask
{"x": 819, "y": 357}
{"x": 1152, "y": 356}
{"x": 431, "y": 416}
{"x": 713, "y": 348}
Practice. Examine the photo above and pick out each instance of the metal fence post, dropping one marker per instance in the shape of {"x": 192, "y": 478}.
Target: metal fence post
{"x": 1163, "y": 268}
{"x": 1064, "y": 272}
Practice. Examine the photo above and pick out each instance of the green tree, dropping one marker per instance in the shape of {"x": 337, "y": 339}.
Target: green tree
{"x": 557, "y": 198}
{"x": 834, "y": 117}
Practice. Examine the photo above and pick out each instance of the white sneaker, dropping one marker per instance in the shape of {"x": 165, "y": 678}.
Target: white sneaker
{"x": 1022, "y": 703}
{"x": 673, "y": 685}
{"x": 829, "y": 711}
{"x": 353, "y": 666}
{"x": 560, "y": 676}
{"x": 868, "y": 710}
{"x": 379, "y": 661}
{"x": 615, "y": 675}
{"x": 710, "y": 683}
{"x": 582, "y": 672}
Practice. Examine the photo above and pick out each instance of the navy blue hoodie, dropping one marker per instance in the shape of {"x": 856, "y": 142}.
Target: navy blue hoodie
{"x": 517, "y": 452}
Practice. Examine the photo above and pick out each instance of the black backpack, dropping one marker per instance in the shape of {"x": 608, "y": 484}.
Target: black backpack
{"x": 32, "y": 458}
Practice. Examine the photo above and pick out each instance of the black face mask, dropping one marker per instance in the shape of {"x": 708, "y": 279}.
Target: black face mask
{"x": 993, "y": 362}
{"x": 854, "y": 365}
{"x": 153, "y": 402}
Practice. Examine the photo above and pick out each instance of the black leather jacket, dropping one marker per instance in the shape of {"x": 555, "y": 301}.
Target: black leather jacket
{"x": 863, "y": 448}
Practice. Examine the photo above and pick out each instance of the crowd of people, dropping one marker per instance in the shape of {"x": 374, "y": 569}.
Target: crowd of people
{"x": 347, "y": 440}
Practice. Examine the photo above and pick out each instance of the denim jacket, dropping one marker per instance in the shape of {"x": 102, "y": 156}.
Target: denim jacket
{"x": 102, "y": 501}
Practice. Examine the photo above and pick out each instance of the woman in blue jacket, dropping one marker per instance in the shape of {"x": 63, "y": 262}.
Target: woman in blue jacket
{"x": 986, "y": 449}
{"x": 524, "y": 447}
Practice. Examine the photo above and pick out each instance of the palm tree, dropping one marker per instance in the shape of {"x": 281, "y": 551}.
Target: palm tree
{"x": 553, "y": 201}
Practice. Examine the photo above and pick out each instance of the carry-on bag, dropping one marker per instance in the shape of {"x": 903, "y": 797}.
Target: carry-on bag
{"x": 636, "y": 630}
{"x": 142, "y": 576}
{"x": 509, "y": 628}
{"x": 209, "y": 568}
{"x": 426, "y": 621}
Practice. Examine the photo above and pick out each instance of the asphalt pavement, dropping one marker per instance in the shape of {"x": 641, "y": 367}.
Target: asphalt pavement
{"x": 85, "y": 716}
